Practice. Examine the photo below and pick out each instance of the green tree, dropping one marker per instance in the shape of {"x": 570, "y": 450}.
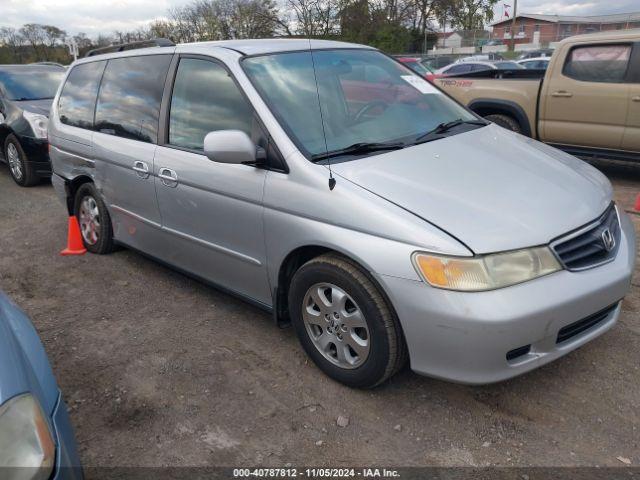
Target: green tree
{"x": 471, "y": 14}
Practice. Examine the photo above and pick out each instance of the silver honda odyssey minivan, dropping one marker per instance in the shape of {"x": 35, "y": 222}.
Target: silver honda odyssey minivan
{"x": 331, "y": 185}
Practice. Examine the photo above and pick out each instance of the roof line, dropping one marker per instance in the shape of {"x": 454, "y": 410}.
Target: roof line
{"x": 619, "y": 18}
{"x": 234, "y": 50}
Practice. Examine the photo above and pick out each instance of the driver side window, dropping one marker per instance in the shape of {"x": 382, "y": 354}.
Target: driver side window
{"x": 205, "y": 99}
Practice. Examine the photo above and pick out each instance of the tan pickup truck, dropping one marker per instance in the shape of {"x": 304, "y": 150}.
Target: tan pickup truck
{"x": 587, "y": 103}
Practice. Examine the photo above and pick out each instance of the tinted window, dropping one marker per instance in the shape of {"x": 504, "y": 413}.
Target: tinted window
{"x": 130, "y": 95}
{"x": 78, "y": 98}
{"x": 205, "y": 99}
{"x": 479, "y": 67}
{"x": 508, "y": 66}
{"x": 607, "y": 63}
{"x": 31, "y": 83}
{"x": 459, "y": 69}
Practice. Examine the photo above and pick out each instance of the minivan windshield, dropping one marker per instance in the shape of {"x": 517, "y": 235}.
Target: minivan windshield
{"x": 356, "y": 101}
{"x": 31, "y": 83}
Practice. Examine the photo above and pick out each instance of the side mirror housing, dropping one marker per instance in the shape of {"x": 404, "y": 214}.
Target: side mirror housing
{"x": 230, "y": 146}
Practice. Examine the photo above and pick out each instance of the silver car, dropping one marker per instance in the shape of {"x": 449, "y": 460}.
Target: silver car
{"x": 331, "y": 185}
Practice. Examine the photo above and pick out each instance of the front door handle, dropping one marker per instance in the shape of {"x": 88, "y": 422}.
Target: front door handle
{"x": 562, "y": 94}
{"x": 168, "y": 177}
{"x": 636, "y": 98}
{"x": 141, "y": 169}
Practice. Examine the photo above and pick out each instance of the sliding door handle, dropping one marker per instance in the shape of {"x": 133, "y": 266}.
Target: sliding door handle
{"x": 141, "y": 169}
{"x": 562, "y": 94}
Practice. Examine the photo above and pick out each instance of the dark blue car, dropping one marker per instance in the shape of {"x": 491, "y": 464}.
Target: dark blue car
{"x": 35, "y": 431}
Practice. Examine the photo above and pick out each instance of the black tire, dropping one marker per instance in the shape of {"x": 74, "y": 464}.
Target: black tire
{"x": 104, "y": 243}
{"x": 505, "y": 121}
{"x": 387, "y": 354}
{"x": 28, "y": 177}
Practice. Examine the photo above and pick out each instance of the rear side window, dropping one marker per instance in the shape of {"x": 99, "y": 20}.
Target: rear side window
{"x": 78, "y": 98}
{"x": 479, "y": 68}
{"x": 459, "y": 69}
{"x": 602, "y": 63}
{"x": 129, "y": 99}
{"x": 205, "y": 99}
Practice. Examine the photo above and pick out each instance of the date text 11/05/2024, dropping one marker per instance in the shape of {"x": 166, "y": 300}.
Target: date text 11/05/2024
{"x": 315, "y": 473}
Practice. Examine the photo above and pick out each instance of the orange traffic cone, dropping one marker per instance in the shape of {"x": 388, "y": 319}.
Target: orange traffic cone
{"x": 636, "y": 207}
{"x": 74, "y": 239}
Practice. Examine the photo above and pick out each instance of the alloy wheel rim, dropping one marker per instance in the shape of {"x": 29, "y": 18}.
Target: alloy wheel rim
{"x": 15, "y": 165}
{"x": 336, "y": 325}
{"x": 89, "y": 220}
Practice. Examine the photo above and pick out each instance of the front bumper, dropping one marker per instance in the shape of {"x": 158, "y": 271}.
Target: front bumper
{"x": 465, "y": 337}
{"x": 67, "y": 460}
{"x": 37, "y": 152}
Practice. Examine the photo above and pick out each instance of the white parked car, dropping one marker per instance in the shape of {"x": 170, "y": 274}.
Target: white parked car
{"x": 538, "y": 63}
{"x": 462, "y": 67}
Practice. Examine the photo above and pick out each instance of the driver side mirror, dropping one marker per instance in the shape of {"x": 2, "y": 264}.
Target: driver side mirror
{"x": 232, "y": 146}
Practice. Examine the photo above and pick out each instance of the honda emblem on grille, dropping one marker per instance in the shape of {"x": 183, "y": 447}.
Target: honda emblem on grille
{"x": 608, "y": 240}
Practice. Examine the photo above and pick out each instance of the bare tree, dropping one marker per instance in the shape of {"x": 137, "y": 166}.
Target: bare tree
{"x": 53, "y": 35}
{"x": 35, "y": 35}
{"x": 220, "y": 20}
{"x": 392, "y": 25}
{"x": 255, "y": 19}
{"x": 315, "y": 18}
{"x": 13, "y": 41}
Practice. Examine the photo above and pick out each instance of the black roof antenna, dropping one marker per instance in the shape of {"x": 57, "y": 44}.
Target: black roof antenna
{"x": 332, "y": 181}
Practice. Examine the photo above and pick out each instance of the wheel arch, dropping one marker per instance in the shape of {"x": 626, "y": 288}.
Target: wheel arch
{"x": 72, "y": 188}
{"x": 298, "y": 257}
{"x": 503, "y": 107}
{"x": 5, "y": 131}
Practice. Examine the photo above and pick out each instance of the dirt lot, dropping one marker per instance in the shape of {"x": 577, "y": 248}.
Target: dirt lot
{"x": 159, "y": 369}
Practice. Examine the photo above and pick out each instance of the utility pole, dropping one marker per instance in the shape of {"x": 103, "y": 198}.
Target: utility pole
{"x": 444, "y": 31}
{"x": 513, "y": 25}
{"x": 423, "y": 21}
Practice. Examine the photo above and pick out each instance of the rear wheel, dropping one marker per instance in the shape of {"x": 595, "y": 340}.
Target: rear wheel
{"x": 344, "y": 323}
{"x": 505, "y": 121}
{"x": 21, "y": 172}
{"x": 94, "y": 220}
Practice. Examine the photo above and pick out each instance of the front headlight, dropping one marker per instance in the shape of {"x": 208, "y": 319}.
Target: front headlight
{"x": 37, "y": 122}
{"x": 486, "y": 272}
{"x": 25, "y": 440}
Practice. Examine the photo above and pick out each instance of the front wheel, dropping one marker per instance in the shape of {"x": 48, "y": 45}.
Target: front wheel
{"x": 94, "y": 220}
{"x": 344, "y": 323}
{"x": 505, "y": 121}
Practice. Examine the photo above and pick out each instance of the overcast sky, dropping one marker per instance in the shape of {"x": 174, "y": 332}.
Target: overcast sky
{"x": 104, "y": 16}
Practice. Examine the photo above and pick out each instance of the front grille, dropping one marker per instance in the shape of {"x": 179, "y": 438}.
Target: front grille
{"x": 583, "y": 325}
{"x": 590, "y": 246}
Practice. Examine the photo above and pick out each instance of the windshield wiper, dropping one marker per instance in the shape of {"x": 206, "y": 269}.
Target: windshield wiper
{"x": 444, "y": 128}
{"x": 357, "y": 148}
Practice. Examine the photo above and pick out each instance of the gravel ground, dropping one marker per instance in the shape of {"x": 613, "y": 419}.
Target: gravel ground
{"x": 159, "y": 369}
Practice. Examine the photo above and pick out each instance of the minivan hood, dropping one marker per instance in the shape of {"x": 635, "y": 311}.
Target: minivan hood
{"x": 492, "y": 189}
{"x": 37, "y": 106}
